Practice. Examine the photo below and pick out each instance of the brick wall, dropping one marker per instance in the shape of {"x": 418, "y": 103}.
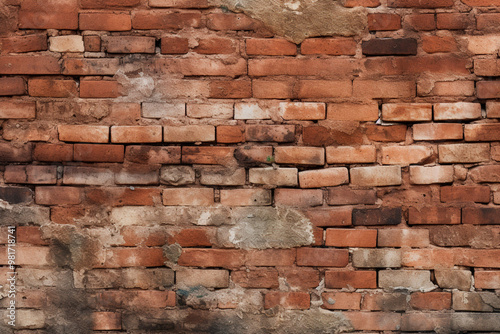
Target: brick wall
{"x": 173, "y": 167}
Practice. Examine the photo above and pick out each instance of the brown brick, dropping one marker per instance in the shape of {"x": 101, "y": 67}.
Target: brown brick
{"x": 316, "y": 89}
{"x": 373, "y": 89}
{"x": 452, "y": 21}
{"x": 12, "y": 86}
{"x": 329, "y": 177}
{"x": 207, "y": 258}
{"x": 224, "y": 176}
{"x": 88, "y": 66}
{"x": 31, "y": 174}
{"x": 230, "y": 134}
{"x": 435, "y": 44}
{"x": 277, "y": 133}
{"x": 434, "y": 216}
{"x": 420, "y": 3}
{"x": 16, "y": 195}
{"x": 379, "y": 216}
{"x": 384, "y": 22}
{"x": 58, "y": 195}
{"x": 329, "y": 217}
{"x": 322, "y": 257}
{"x": 17, "y": 109}
{"x": 245, "y": 197}
{"x": 405, "y": 155}
{"x": 353, "y": 112}
{"x": 391, "y": 133}
{"x": 359, "y": 279}
{"x": 298, "y": 197}
{"x": 260, "y": 278}
{"x": 272, "y": 89}
{"x": 153, "y": 154}
{"x": 122, "y": 196}
{"x": 84, "y": 133}
{"x": 130, "y": 44}
{"x": 322, "y": 68}
{"x": 106, "y": 321}
{"x": 179, "y": 3}
{"x": 49, "y": 15}
{"x": 98, "y": 153}
{"x": 133, "y": 257}
{"x": 464, "y": 153}
{"x": 481, "y": 216}
{"x": 105, "y": 21}
{"x": 238, "y": 89}
{"x": 487, "y": 279}
{"x": 487, "y": 67}
{"x": 92, "y": 43}
{"x": 230, "y": 21}
{"x": 207, "y": 155}
{"x": 415, "y": 238}
{"x": 384, "y": 302}
{"x": 174, "y": 45}
{"x": 478, "y": 194}
{"x": 329, "y": 46}
{"x": 381, "y": 47}
{"x": 346, "y": 196}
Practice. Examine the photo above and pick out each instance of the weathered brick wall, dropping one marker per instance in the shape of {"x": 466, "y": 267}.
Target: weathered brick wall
{"x": 174, "y": 167}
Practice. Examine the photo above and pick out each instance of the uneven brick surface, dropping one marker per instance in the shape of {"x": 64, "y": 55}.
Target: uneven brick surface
{"x": 181, "y": 166}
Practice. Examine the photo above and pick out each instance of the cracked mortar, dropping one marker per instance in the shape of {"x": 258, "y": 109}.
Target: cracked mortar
{"x": 298, "y": 20}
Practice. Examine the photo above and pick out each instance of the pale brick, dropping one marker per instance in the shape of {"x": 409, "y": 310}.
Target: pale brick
{"x": 137, "y": 175}
{"x": 430, "y": 175}
{"x": 376, "y": 176}
{"x": 415, "y": 280}
{"x": 248, "y": 110}
{"x": 29, "y": 319}
{"x": 212, "y": 110}
{"x": 88, "y": 176}
{"x": 189, "y": 133}
{"x": 188, "y": 196}
{"x": 418, "y": 238}
{"x": 163, "y": 110}
{"x": 376, "y": 258}
{"x": 275, "y": 177}
{"x": 222, "y": 176}
{"x": 474, "y": 322}
{"x": 464, "y": 153}
{"x": 84, "y": 133}
{"x": 351, "y": 154}
{"x": 208, "y": 278}
{"x": 453, "y": 279}
{"x": 328, "y": 177}
{"x": 177, "y": 175}
{"x": 405, "y": 155}
{"x": 17, "y": 109}
{"x": 302, "y": 110}
{"x": 245, "y": 197}
{"x": 406, "y": 112}
{"x": 457, "y": 111}
{"x": 438, "y": 131}
{"x": 70, "y": 43}
{"x": 486, "y": 44}
{"x": 136, "y": 134}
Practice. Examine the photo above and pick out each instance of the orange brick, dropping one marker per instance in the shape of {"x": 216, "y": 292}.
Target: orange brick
{"x": 122, "y": 196}
{"x": 270, "y": 47}
{"x": 407, "y": 112}
{"x": 376, "y": 176}
{"x": 436, "y": 301}
{"x": 351, "y": 154}
{"x": 405, "y": 155}
{"x": 29, "y": 65}
{"x": 361, "y": 3}
{"x": 271, "y": 258}
{"x": 28, "y": 43}
{"x": 142, "y": 236}
{"x": 433, "y": 258}
{"x": 384, "y": 22}
{"x": 52, "y": 88}
{"x": 58, "y": 195}
{"x": 299, "y": 155}
{"x": 136, "y": 134}
{"x": 230, "y": 21}
{"x": 369, "y": 89}
{"x": 188, "y": 196}
{"x": 316, "y": 89}
{"x": 215, "y": 45}
{"x": 84, "y": 133}
{"x": 487, "y": 279}
{"x": 189, "y": 133}
{"x": 359, "y": 279}
{"x": 453, "y": 88}
{"x": 179, "y": 3}
{"x": 452, "y": 21}
{"x": 330, "y": 217}
{"x": 275, "y": 89}
{"x": 322, "y": 257}
{"x": 260, "y": 278}
{"x": 353, "y": 112}
{"x": 105, "y": 21}
{"x": 164, "y": 20}
{"x": 230, "y": 134}
{"x": 17, "y": 109}
{"x": 329, "y": 46}
{"x": 53, "y": 152}
{"x": 350, "y": 238}
{"x": 298, "y": 197}
{"x": 207, "y": 258}
{"x": 464, "y": 153}
{"x": 92, "y": 43}
{"x": 287, "y": 300}
{"x": 30, "y": 235}
{"x": 389, "y": 133}
{"x": 190, "y": 237}
{"x": 49, "y": 15}
{"x": 488, "y": 89}
{"x": 329, "y": 177}
{"x": 421, "y": 22}
{"x": 482, "y": 258}
{"x": 374, "y": 321}
{"x": 12, "y": 86}
{"x": 437, "y": 131}
{"x": 341, "y": 300}
{"x": 434, "y": 44}
{"x": 174, "y": 45}
{"x": 99, "y": 89}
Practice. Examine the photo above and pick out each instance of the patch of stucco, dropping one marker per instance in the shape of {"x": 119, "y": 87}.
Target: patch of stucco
{"x": 297, "y": 20}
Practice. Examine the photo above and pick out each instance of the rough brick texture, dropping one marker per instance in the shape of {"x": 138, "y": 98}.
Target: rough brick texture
{"x": 184, "y": 166}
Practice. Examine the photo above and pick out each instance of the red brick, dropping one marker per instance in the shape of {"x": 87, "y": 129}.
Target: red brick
{"x": 300, "y": 277}
{"x": 48, "y": 15}
{"x": 270, "y": 47}
{"x": 482, "y": 132}
{"x": 417, "y": 238}
{"x": 353, "y": 112}
{"x": 174, "y": 45}
{"x": 329, "y": 177}
{"x": 383, "y": 89}
{"x": 30, "y": 235}
{"x": 53, "y": 152}
{"x": 452, "y": 21}
{"x": 106, "y": 321}
{"x": 259, "y": 278}
{"x": 164, "y": 20}
{"x": 322, "y": 257}
{"x": 488, "y": 89}
{"x": 322, "y": 68}
{"x": 122, "y": 196}
{"x": 407, "y": 112}
{"x": 141, "y": 236}
{"x": 212, "y": 46}
{"x": 58, "y": 195}
{"x": 329, "y": 46}
{"x": 29, "y": 65}
{"x": 98, "y": 153}
{"x": 231, "y": 21}
{"x": 105, "y": 21}
{"x": 299, "y": 155}
{"x": 478, "y": 194}
{"x": 329, "y": 217}
{"x": 437, "y": 131}
{"x": 207, "y": 155}
{"x": 136, "y": 134}
{"x": 487, "y": 279}
{"x": 130, "y": 44}
{"x": 133, "y": 257}
{"x": 84, "y": 133}
{"x": 287, "y": 300}
{"x": 153, "y": 154}
{"x": 405, "y": 155}
{"x": 207, "y": 258}
{"x": 52, "y": 88}
{"x": 230, "y": 134}
{"x": 464, "y": 153}
{"x": 341, "y": 300}
{"x": 420, "y": 3}
{"x": 83, "y": 66}
{"x": 17, "y": 109}
{"x": 481, "y": 216}
{"x": 106, "y": 4}
{"x": 434, "y": 216}
{"x": 482, "y": 174}
{"x": 421, "y": 22}
{"x": 12, "y": 86}
{"x": 99, "y": 89}
{"x": 222, "y": 89}
{"x": 276, "y": 133}
{"x": 380, "y": 21}
{"x": 374, "y": 321}
{"x": 298, "y": 197}
{"x": 28, "y": 43}
{"x": 11, "y": 153}
{"x": 482, "y": 258}
{"x": 271, "y": 257}
{"x": 92, "y": 43}
{"x": 350, "y": 238}
{"x": 179, "y": 3}
{"x": 428, "y": 258}
{"x": 267, "y": 89}
{"x": 487, "y": 67}
{"x": 359, "y": 279}
{"x": 189, "y": 133}
{"x": 188, "y": 196}
{"x": 324, "y": 89}
{"x": 31, "y": 174}
{"x": 434, "y": 44}
{"x": 190, "y": 237}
